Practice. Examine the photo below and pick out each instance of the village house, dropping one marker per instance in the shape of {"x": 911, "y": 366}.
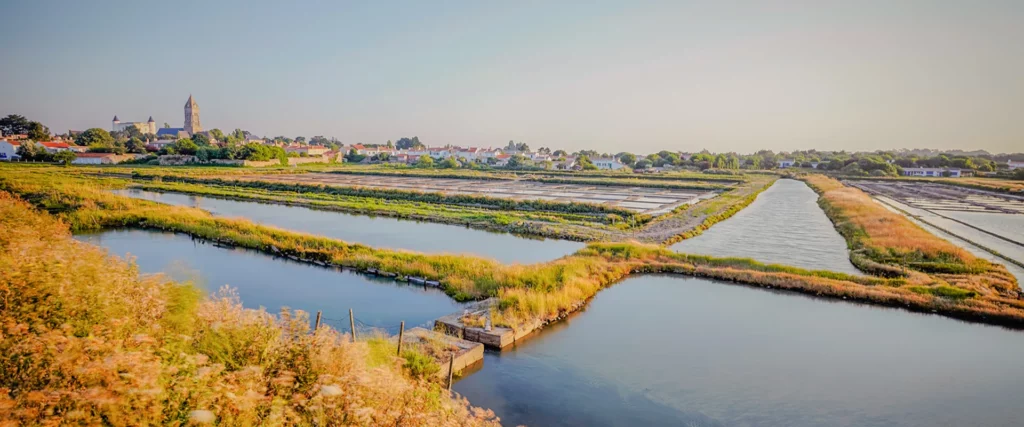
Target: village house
{"x": 9, "y": 149}
{"x": 607, "y": 163}
{"x": 54, "y": 147}
{"x": 501, "y": 160}
{"x": 787, "y": 163}
{"x": 439, "y": 152}
{"x": 568, "y": 164}
{"x": 937, "y": 172}
{"x": 1014, "y": 165}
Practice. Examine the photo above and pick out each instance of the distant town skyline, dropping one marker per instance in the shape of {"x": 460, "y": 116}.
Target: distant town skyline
{"x": 608, "y": 76}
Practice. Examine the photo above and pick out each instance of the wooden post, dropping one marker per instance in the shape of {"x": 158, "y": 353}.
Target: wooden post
{"x": 352, "y": 324}
{"x": 401, "y": 331}
{"x": 318, "y": 313}
{"x": 451, "y": 371}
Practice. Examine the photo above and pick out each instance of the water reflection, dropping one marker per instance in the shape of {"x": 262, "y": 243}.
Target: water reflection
{"x": 263, "y": 281}
{"x": 661, "y": 350}
{"x": 377, "y": 231}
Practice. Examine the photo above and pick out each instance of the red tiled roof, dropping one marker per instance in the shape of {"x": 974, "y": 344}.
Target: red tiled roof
{"x": 54, "y": 144}
{"x": 13, "y": 142}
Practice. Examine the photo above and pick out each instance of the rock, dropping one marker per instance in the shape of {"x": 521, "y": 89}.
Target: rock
{"x": 202, "y": 416}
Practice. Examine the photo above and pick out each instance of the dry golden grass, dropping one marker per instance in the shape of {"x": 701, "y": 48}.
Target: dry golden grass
{"x": 86, "y": 341}
{"x": 888, "y": 243}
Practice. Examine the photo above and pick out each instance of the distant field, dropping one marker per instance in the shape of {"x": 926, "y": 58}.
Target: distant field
{"x": 651, "y": 201}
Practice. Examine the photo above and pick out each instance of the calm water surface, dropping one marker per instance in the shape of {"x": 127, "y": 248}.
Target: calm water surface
{"x": 377, "y": 231}
{"x": 1002, "y": 224}
{"x": 784, "y": 225}
{"x": 658, "y": 350}
{"x": 264, "y": 281}
{"x": 1010, "y": 226}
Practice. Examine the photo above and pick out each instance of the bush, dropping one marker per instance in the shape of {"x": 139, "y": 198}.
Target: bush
{"x": 420, "y": 365}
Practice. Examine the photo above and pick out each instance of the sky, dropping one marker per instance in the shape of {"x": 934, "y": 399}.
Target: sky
{"x": 638, "y": 76}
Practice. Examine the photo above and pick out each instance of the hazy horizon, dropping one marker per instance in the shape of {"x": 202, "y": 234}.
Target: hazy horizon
{"x": 608, "y": 76}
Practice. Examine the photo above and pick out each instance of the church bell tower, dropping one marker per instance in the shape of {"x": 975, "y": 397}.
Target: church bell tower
{"x": 192, "y": 124}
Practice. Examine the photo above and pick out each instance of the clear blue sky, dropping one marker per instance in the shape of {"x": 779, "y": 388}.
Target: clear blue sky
{"x": 608, "y": 75}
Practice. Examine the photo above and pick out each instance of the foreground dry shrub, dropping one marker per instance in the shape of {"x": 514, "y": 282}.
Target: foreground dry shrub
{"x": 84, "y": 340}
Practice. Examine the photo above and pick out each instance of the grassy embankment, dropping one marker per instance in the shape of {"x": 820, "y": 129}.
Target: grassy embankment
{"x": 87, "y": 341}
{"x": 529, "y": 294}
{"x": 691, "y": 221}
{"x": 888, "y": 244}
{"x": 620, "y": 179}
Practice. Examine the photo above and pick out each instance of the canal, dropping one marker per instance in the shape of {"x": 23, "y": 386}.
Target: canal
{"x": 784, "y": 225}
{"x": 658, "y": 350}
{"x": 264, "y": 281}
{"x": 379, "y": 232}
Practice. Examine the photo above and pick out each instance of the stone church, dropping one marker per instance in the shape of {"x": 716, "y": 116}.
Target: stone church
{"x": 192, "y": 123}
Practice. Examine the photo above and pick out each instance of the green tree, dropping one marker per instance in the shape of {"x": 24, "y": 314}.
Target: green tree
{"x": 628, "y": 159}
{"x": 449, "y": 163}
{"x": 65, "y": 157}
{"x": 186, "y": 146}
{"x": 94, "y": 137}
{"x": 585, "y": 163}
{"x": 31, "y": 151}
{"x": 516, "y": 161}
{"x": 135, "y": 145}
{"x": 38, "y": 132}
{"x": 407, "y": 143}
{"x": 353, "y": 156}
{"x": 642, "y": 164}
{"x": 130, "y": 132}
{"x": 217, "y": 134}
{"x": 201, "y": 140}
{"x": 425, "y": 161}
{"x": 14, "y": 124}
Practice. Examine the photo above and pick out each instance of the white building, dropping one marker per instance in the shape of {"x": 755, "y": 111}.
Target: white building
{"x": 9, "y": 150}
{"x": 143, "y": 127}
{"x": 607, "y": 163}
{"x": 1014, "y": 165}
{"x": 788, "y": 163}
{"x": 937, "y": 172}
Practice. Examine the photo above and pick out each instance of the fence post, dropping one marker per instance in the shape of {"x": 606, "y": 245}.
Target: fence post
{"x": 401, "y": 332}
{"x": 352, "y": 324}
{"x": 318, "y": 313}
{"x": 451, "y": 370}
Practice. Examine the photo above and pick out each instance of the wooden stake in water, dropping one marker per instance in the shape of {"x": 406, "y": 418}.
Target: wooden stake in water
{"x": 451, "y": 370}
{"x": 401, "y": 332}
{"x": 318, "y": 313}
{"x": 352, "y": 324}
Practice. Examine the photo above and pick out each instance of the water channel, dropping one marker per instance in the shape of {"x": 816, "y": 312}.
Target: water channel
{"x": 264, "y": 281}
{"x": 784, "y": 225}
{"x": 380, "y": 232}
{"x": 659, "y": 350}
